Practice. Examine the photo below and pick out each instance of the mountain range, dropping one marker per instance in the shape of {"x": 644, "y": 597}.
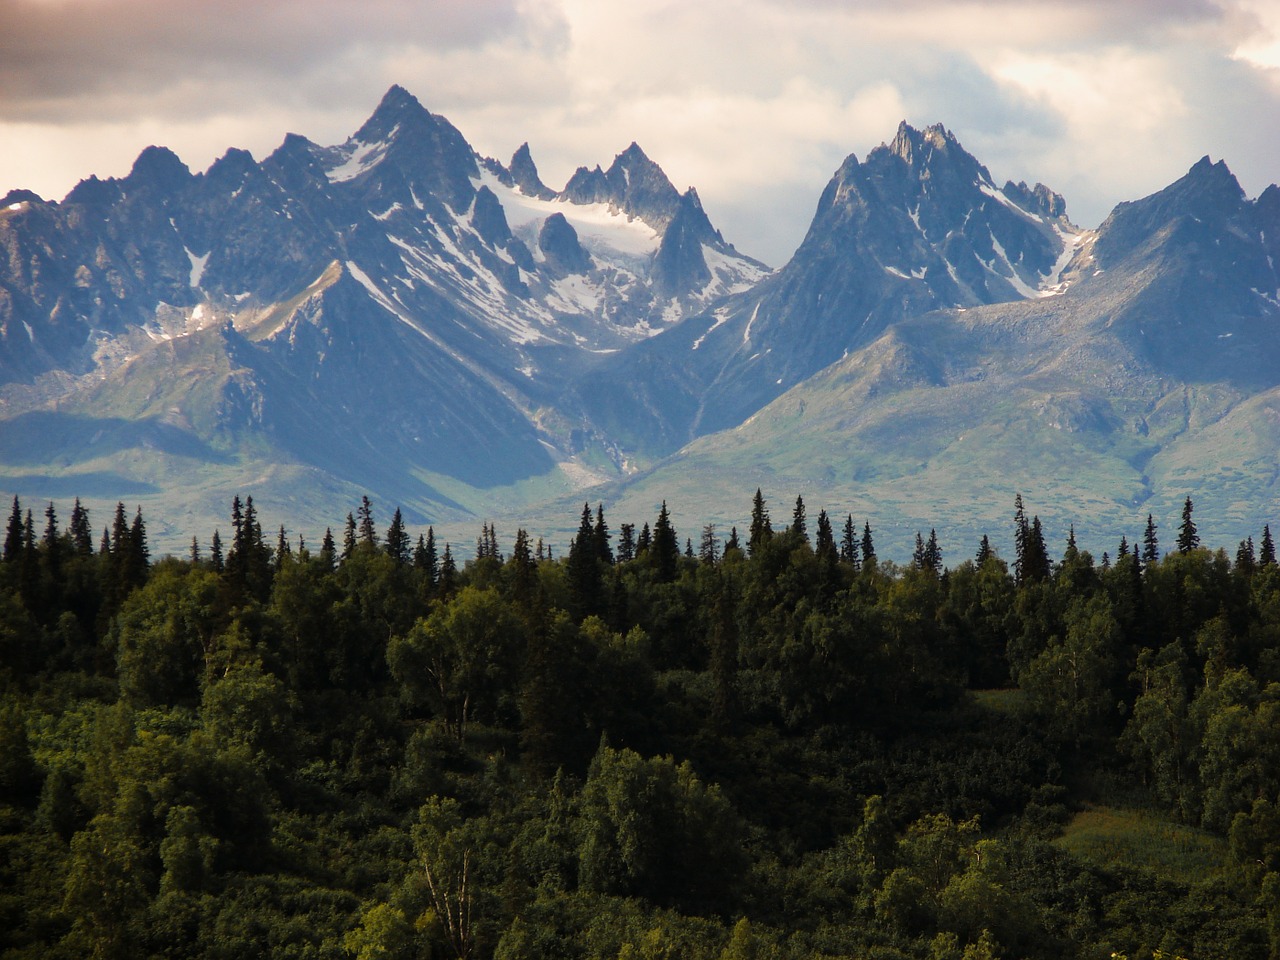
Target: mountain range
{"x": 401, "y": 317}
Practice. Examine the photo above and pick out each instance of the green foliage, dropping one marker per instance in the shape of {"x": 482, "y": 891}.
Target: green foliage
{"x": 764, "y": 753}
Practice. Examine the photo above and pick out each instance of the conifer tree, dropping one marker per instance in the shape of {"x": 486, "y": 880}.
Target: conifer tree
{"x": 604, "y": 552}
{"x": 666, "y": 546}
{"x": 732, "y": 543}
{"x": 1246, "y": 558}
{"x": 328, "y": 550}
{"x": 1123, "y": 549}
{"x": 645, "y": 541}
{"x": 984, "y": 551}
{"x": 349, "y": 538}
{"x": 448, "y": 581}
{"x": 626, "y": 542}
{"x": 761, "y": 529}
{"x": 282, "y": 547}
{"x": 849, "y": 542}
{"x": 582, "y": 570}
{"x": 933, "y": 553}
{"x": 1150, "y": 544}
{"x": 215, "y": 553}
{"x": 868, "y": 546}
{"x": 824, "y": 544}
{"x": 430, "y": 561}
{"x": 13, "y": 536}
{"x": 1267, "y": 552}
{"x": 364, "y": 517}
{"x": 81, "y": 533}
{"x": 799, "y": 525}
{"x": 1188, "y": 539}
{"x": 397, "y": 545}
{"x": 709, "y": 546}
{"x": 51, "y": 545}
{"x": 195, "y": 550}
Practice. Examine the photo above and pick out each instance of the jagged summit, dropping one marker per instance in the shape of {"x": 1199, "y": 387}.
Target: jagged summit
{"x": 524, "y": 174}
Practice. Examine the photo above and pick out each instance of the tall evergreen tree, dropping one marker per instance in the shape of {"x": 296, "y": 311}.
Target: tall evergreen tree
{"x": 824, "y": 544}
{"x": 328, "y": 550}
{"x": 626, "y": 542}
{"x": 1246, "y": 558}
{"x": 1188, "y": 539}
{"x": 933, "y": 553}
{"x": 600, "y": 532}
{"x": 81, "y": 532}
{"x": 732, "y": 543}
{"x": 349, "y": 538}
{"x": 984, "y": 551}
{"x": 215, "y": 553}
{"x": 397, "y": 545}
{"x": 849, "y": 542}
{"x": 709, "y": 546}
{"x": 283, "y": 549}
{"x": 645, "y": 541}
{"x": 1267, "y": 552}
{"x": 448, "y": 581}
{"x": 868, "y": 546}
{"x": 13, "y": 536}
{"x": 761, "y": 529}
{"x": 666, "y": 546}
{"x": 364, "y": 518}
{"x": 195, "y": 550}
{"x": 1150, "y": 544}
{"x": 799, "y": 525}
{"x": 582, "y": 570}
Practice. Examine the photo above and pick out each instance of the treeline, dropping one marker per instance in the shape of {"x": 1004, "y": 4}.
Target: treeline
{"x": 765, "y": 746}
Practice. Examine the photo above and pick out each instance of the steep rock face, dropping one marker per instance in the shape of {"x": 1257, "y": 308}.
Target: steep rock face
{"x": 1154, "y": 376}
{"x": 916, "y": 227}
{"x": 444, "y": 297}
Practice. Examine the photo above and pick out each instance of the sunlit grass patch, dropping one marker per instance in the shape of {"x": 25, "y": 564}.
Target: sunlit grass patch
{"x": 1113, "y": 836}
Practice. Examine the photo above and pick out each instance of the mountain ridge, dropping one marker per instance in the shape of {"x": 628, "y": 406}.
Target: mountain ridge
{"x": 398, "y": 315}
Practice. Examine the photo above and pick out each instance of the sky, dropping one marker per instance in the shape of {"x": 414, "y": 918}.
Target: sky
{"x": 753, "y": 102}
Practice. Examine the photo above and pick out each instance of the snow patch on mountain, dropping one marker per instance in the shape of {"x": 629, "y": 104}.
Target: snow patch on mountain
{"x": 357, "y": 157}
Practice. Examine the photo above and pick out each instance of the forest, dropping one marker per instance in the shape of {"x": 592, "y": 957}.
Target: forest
{"x": 762, "y": 745}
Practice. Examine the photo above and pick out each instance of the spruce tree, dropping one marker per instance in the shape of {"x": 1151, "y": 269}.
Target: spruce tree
{"x": 582, "y": 570}
{"x": 732, "y": 543}
{"x": 709, "y": 546}
{"x": 799, "y": 526}
{"x": 1246, "y": 558}
{"x": 1150, "y": 544}
{"x": 604, "y": 552}
{"x": 195, "y": 551}
{"x": 349, "y": 538}
{"x": 626, "y": 542}
{"x": 1188, "y": 539}
{"x": 81, "y": 532}
{"x": 1267, "y": 553}
{"x": 933, "y": 553}
{"x": 868, "y": 546}
{"x": 364, "y": 517}
{"x": 984, "y": 551}
{"x": 849, "y": 542}
{"x": 666, "y": 547}
{"x": 215, "y": 553}
{"x": 397, "y": 545}
{"x": 761, "y": 529}
{"x": 328, "y": 550}
{"x": 13, "y": 536}
{"x": 824, "y": 545}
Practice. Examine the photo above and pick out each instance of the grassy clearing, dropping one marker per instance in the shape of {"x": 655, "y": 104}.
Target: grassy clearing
{"x": 1115, "y": 836}
{"x": 1000, "y": 701}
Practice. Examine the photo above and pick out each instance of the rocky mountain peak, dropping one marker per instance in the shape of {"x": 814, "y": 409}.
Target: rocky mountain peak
{"x": 159, "y": 167}
{"x": 524, "y": 174}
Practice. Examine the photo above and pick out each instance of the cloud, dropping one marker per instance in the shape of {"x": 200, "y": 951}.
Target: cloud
{"x": 754, "y": 102}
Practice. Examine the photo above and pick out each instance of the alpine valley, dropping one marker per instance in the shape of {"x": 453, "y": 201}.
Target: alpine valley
{"x": 401, "y": 317}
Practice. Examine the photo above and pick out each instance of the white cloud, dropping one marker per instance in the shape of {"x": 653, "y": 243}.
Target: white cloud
{"x": 754, "y": 102}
